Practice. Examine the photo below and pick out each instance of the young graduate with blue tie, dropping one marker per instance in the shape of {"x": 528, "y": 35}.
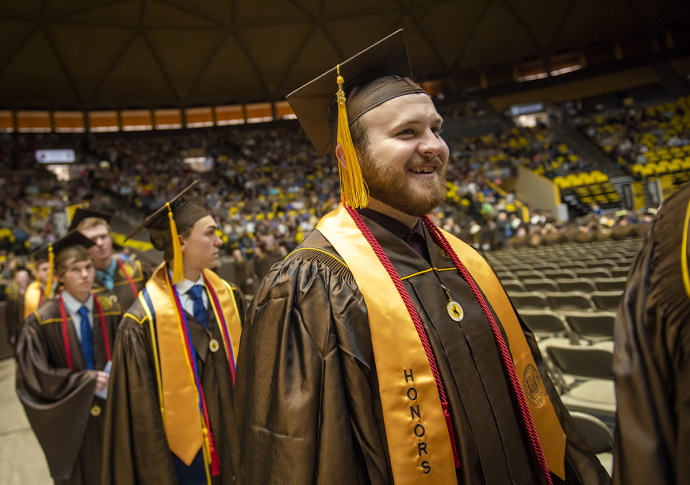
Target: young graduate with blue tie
{"x": 171, "y": 417}
{"x": 63, "y": 353}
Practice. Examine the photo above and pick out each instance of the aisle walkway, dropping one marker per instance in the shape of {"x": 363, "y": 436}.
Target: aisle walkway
{"x": 21, "y": 458}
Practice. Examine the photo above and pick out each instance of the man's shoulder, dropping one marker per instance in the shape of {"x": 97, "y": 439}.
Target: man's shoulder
{"x": 136, "y": 314}
{"x": 49, "y": 313}
{"x": 312, "y": 244}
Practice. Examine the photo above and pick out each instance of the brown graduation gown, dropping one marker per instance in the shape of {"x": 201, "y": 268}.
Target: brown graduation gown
{"x": 59, "y": 401}
{"x": 136, "y": 450}
{"x": 14, "y": 316}
{"x": 652, "y": 358}
{"x": 307, "y": 396}
{"x": 122, "y": 290}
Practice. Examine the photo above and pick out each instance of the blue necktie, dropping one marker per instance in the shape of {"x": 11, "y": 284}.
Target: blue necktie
{"x": 87, "y": 339}
{"x": 200, "y": 312}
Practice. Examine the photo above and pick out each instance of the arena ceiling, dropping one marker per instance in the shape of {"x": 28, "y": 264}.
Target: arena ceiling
{"x": 90, "y": 54}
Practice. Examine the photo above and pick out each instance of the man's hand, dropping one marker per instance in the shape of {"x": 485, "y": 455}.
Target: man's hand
{"x": 102, "y": 379}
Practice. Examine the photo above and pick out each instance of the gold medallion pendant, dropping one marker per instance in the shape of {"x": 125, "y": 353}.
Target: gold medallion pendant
{"x": 455, "y": 311}
{"x": 96, "y": 410}
{"x": 213, "y": 345}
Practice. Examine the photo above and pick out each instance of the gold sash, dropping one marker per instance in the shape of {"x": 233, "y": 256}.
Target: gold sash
{"x": 415, "y": 427}
{"x": 178, "y": 395}
{"x": 416, "y": 431}
{"x": 32, "y": 298}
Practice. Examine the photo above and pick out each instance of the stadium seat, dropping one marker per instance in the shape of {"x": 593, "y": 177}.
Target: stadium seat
{"x": 607, "y": 300}
{"x": 544, "y": 266}
{"x": 592, "y": 390}
{"x": 573, "y": 265}
{"x": 610, "y": 284}
{"x": 529, "y": 301}
{"x": 546, "y": 324}
{"x": 505, "y": 275}
{"x": 601, "y": 263}
{"x": 576, "y": 284}
{"x": 592, "y": 326}
{"x": 559, "y": 274}
{"x": 620, "y": 272}
{"x": 541, "y": 284}
{"x": 593, "y": 273}
{"x": 523, "y": 273}
{"x": 598, "y": 436}
{"x": 513, "y": 286}
{"x": 569, "y": 301}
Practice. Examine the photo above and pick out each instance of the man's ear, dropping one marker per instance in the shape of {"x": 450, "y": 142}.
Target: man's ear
{"x": 340, "y": 155}
{"x": 183, "y": 243}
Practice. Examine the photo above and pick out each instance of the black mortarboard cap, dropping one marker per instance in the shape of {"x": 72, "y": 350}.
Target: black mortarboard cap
{"x": 386, "y": 61}
{"x": 81, "y": 214}
{"x": 185, "y": 215}
{"x": 73, "y": 238}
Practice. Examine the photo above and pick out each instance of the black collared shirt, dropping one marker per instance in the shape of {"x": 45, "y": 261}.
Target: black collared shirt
{"x": 413, "y": 237}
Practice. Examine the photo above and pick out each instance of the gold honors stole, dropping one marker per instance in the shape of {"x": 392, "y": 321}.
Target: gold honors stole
{"x": 418, "y": 441}
{"x": 178, "y": 395}
{"x": 32, "y": 298}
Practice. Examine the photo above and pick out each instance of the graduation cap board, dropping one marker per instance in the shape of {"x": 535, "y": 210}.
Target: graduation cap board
{"x": 81, "y": 214}
{"x": 377, "y": 74}
{"x": 172, "y": 219}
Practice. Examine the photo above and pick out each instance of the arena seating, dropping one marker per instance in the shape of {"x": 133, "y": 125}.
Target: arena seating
{"x": 568, "y": 295}
{"x": 598, "y": 436}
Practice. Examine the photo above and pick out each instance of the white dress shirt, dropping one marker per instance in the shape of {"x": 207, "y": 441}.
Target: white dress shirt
{"x": 73, "y": 305}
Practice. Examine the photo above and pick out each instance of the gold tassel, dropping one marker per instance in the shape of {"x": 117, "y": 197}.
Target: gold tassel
{"x": 353, "y": 188}
{"x": 51, "y": 264}
{"x": 177, "y": 264}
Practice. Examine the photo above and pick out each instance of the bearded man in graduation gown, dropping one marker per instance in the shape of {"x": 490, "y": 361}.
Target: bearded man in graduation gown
{"x": 63, "y": 354}
{"x": 120, "y": 280}
{"x": 170, "y": 418}
{"x": 383, "y": 350}
{"x": 650, "y": 359}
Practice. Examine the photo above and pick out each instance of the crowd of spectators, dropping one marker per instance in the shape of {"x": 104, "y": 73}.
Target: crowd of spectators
{"x": 536, "y": 148}
{"x": 633, "y": 135}
{"x": 265, "y": 183}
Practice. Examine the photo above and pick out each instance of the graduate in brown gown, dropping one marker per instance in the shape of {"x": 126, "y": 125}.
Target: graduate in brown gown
{"x": 650, "y": 362}
{"x": 21, "y": 304}
{"x": 170, "y": 416}
{"x": 62, "y": 356}
{"x": 14, "y": 305}
{"x": 121, "y": 280}
{"x": 383, "y": 350}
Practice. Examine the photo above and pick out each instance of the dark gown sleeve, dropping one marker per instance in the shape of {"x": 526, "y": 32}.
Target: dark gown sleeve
{"x": 295, "y": 426}
{"x": 57, "y": 400}
{"x": 582, "y": 466}
{"x": 135, "y": 449}
{"x": 651, "y": 364}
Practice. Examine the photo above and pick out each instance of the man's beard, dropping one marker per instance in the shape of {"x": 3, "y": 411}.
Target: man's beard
{"x": 394, "y": 187}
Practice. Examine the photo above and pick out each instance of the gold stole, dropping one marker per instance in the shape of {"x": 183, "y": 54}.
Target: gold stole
{"x": 178, "y": 396}
{"x": 416, "y": 432}
{"x": 32, "y": 298}
{"x": 418, "y": 442}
